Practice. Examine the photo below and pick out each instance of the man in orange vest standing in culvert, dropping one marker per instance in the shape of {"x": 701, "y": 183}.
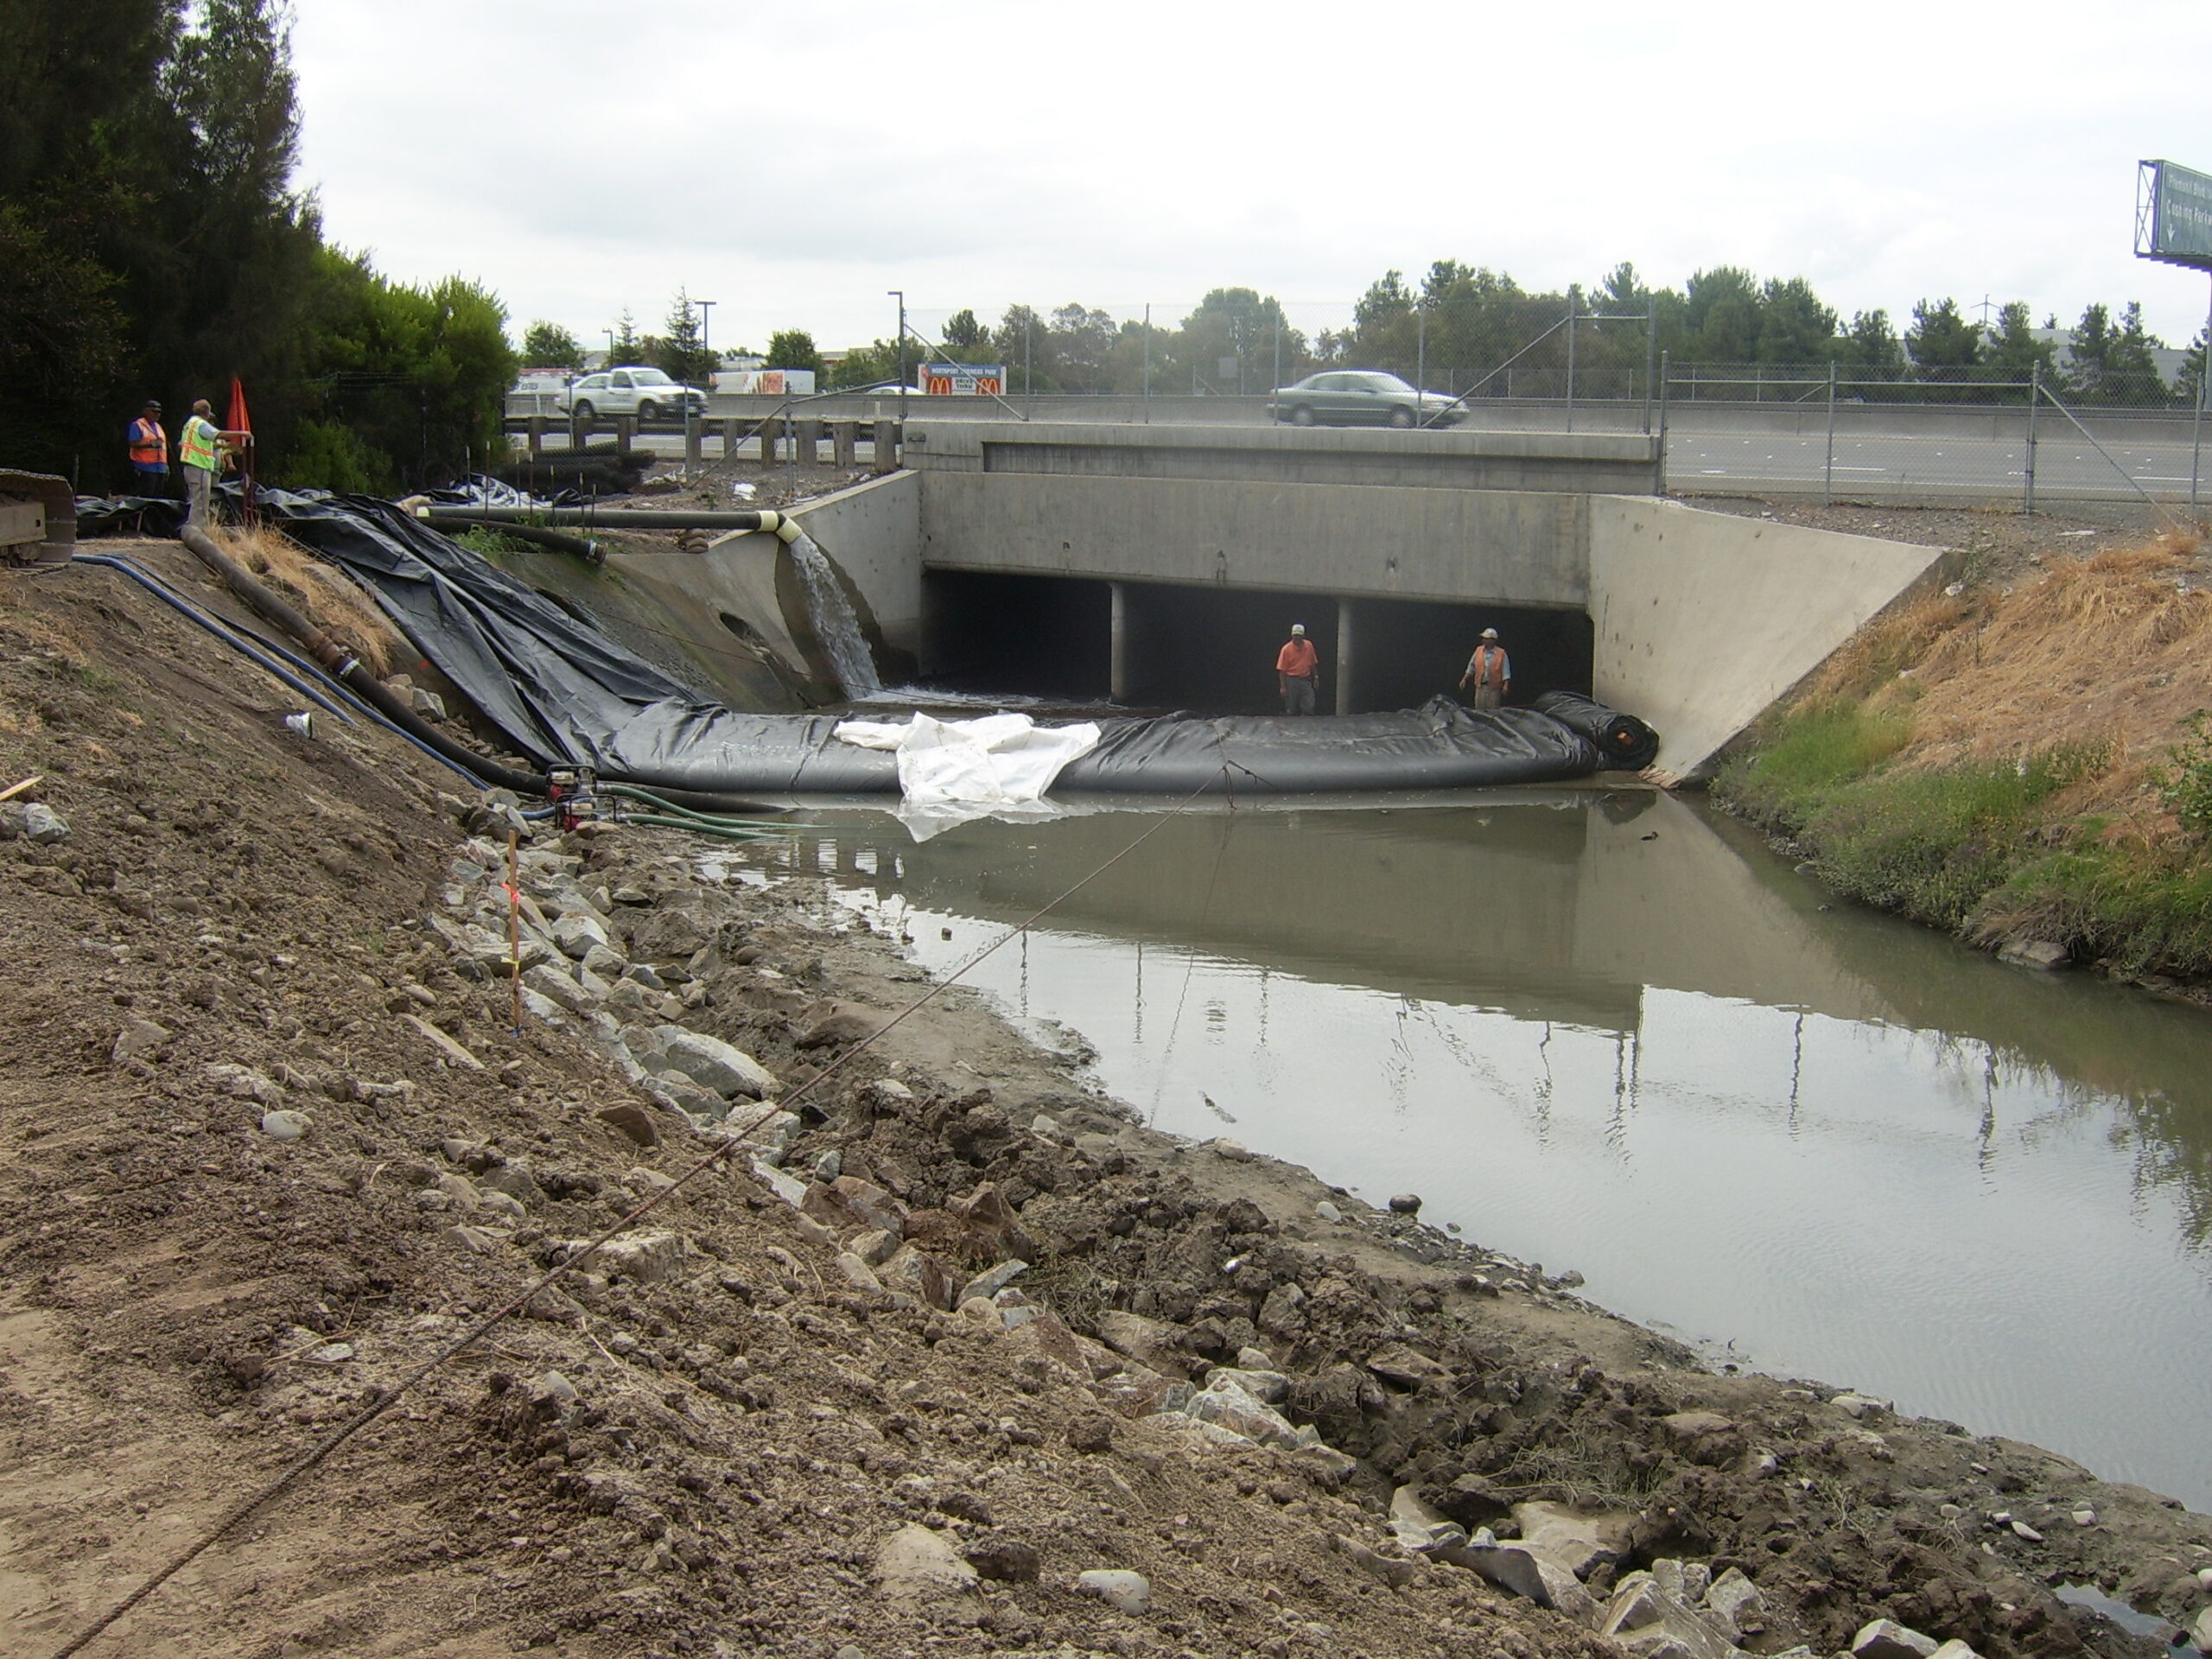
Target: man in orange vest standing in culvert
{"x": 1298, "y": 666}
{"x": 149, "y": 452}
{"x": 1489, "y": 671}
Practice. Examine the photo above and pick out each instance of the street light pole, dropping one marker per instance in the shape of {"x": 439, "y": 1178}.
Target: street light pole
{"x": 900, "y": 294}
{"x": 707, "y": 336}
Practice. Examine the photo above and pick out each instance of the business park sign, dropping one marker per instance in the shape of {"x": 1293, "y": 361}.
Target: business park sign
{"x": 2173, "y": 214}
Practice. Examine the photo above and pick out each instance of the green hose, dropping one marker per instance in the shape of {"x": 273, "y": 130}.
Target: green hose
{"x": 630, "y": 791}
{"x": 726, "y": 831}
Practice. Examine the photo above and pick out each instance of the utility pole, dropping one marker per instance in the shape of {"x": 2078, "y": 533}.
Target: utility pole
{"x": 1148, "y": 362}
{"x": 1420, "y": 344}
{"x": 900, "y": 294}
{"x": 1574, "y": 300}
{"x": 707, "y": 337}
{"x": 2196, "y": 419}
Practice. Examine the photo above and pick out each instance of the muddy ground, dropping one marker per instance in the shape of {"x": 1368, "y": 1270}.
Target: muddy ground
{"x": 701, "y": 1443}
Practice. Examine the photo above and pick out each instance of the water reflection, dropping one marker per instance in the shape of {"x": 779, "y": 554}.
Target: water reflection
{"x": 1610, "y": 1034}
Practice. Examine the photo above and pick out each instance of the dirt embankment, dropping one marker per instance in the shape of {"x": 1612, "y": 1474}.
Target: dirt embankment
{"x": 752, "y": 1426}
{"x": 2016, "y": 759}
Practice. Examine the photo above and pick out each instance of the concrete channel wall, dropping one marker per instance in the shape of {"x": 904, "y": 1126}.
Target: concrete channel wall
{"x": 1704, "y": 618}
{"x": 1700, "y": 619}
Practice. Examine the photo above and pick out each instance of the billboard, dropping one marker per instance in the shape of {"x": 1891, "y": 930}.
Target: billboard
{"x": 766, "y": 382}
{"x": 2173, "y": 214}
{"x": 964, "y": 379}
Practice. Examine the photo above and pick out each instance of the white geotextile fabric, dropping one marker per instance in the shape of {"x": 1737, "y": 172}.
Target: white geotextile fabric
{"x": 951, "y": 771}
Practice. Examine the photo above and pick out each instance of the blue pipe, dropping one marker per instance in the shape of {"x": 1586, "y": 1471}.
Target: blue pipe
{"x": 231, "y": 636}
{"x": 185, "y": 607}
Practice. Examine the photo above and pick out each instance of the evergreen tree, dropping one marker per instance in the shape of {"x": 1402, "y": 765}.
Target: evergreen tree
{"x": 624, "y": 345}
{"x": 1794, "y": 326}
{"x": 1871, "y": 347}
{"x": 681, "y": 353}
{"x": 2012, "y": 352}
{"x": 964, "y": 337}
{"x": 1943, "y": 343}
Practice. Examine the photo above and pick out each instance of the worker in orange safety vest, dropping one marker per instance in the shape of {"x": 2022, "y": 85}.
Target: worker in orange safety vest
{"x": 1490, "y": 673}
{"x": 150, "y": 451}
{"x": 1298, "y": 666}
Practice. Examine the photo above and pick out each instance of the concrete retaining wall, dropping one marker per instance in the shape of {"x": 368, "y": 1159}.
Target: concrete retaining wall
{"x": 1616, "y": 462}
{"x": 1512, "y": 547}
{"x": 1704, "y": 618}
{"x": 873, "y": 533}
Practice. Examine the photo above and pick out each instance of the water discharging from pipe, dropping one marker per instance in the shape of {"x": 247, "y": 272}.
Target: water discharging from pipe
{"x": 830, "y": 614}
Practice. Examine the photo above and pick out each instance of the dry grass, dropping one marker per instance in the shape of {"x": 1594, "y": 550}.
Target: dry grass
{"x": 2113, "y": 651}
{"x": 324, "y": 592}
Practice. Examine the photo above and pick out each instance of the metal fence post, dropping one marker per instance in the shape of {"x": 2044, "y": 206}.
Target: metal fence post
{"x": 1663, "y": 356}
{"x": 2197, "y": 418}
{"x": 1827, "y": 478}
{"x": 1650, "y": 359}
{"x": 2035, "y": 396}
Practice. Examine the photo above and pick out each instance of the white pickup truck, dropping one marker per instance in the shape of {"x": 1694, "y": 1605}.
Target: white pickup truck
{"x": 646, "y": 393}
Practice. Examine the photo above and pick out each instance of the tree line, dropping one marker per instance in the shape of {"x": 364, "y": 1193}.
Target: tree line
{"x": 1467, "y": 330}
{"x": 153, "y": 244}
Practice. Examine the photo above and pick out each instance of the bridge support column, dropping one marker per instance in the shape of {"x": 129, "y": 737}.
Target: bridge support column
{"x": 626, "y": 433}
{"x": 844, "y": 443}
{"x": 1117, "y": 684}
{"x": 885, "y": 435}
{"x": 1346, "y": 610}
{"x": 807, "y": 435}
{"x": 771, "y": 429}
{"x": 537, "y": 435}
{"x": 732, "y": 435}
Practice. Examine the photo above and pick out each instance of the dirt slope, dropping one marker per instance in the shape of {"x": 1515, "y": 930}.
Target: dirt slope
{"x": 703, "y": 1445}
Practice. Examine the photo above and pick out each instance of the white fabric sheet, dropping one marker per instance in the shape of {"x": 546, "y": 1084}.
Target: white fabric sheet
{"x": 952, "y": 770}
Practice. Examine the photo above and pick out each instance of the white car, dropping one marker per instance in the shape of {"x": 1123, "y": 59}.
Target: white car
{"x": 646, "y": 393}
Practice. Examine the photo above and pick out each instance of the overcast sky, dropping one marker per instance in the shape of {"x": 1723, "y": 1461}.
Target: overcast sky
{"x": 792, "y": 162}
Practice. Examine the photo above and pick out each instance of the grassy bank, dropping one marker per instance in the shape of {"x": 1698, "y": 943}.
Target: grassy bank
{"x": 2023, "y": 762}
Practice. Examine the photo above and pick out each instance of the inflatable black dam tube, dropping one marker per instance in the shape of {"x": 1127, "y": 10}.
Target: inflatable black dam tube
{"x": 566, "y": 694}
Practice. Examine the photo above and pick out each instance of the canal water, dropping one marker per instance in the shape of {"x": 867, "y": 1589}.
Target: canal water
{"x": 1612, "y": 1032}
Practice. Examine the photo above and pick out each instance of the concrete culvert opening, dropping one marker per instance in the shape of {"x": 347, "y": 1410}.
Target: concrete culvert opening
{"x": 1212, "y": 651}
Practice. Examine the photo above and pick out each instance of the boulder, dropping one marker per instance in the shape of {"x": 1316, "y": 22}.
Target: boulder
{"x": 1226, "y": 1404}
{"x": 1884, "y": 1639}
{"x": 1154, "y": 1343}
{"x": 1705, "y": 1437}
{"x": 1419, "y": 1526}
{"x": 989, "y": 1282}
{"x": 919, "y": 1274}
{"x": 632, "y": 1120}
{"x": 1526, "y": 1573}
{"x": 1125, "y": 1592}
{"x": 1737, "y": 1603}
{"x": 849, "y": 1202}
{"x": 1581, "y": 1541}
{"x": 1402, "y": 1365}
{"x": 668, "y": 933}
{"x": 138, "y": 1037}
{"x": 1268, "y": 1387}
{"x": 915, "y": 1564}
{"x": 836, "y": 1029}
{"x": 646, "y": 1256}
{"x": 575, "y": 934}
{"x": 1405, "y": 1204}
{"x": 712, "y": 1063}
{"x": 1282, "y": 1313}
{"x": 1648, "y": 1622}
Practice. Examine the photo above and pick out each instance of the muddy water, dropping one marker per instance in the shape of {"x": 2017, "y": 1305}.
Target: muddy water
{"x": 1609, "y": 1033}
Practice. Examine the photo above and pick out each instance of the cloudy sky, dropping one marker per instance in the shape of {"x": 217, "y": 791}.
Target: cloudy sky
{"x": 792, "y": 162}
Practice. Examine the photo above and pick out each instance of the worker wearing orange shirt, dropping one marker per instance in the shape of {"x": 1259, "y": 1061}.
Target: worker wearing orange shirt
{"x": 1297, "y": 668}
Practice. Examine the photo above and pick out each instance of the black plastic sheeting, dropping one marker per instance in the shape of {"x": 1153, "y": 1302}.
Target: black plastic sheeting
{"x": 566, "y": 694}
{"x": 1625, "y": 742}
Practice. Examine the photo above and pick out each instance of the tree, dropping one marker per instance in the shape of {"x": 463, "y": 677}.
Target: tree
{"x": 548, "y": 345}
{"x": 2188, "y": 385}
{"x": 964, "y": 337}
{"x": 1794, "y": 326}
{"x": 2012, "y": 351}
{"x": 682, "y": 353}
{"x": 873, "y": 364}
{"x": 1081, "y": 341}
{"x": 793, "y": 348}
{"x": 1236, "y": 322}
{"x": 1871, "y": 347}
{"x": 1941, "y": 340}
{"x": 1720, "y": 315}
{"x": 624, "y": 345}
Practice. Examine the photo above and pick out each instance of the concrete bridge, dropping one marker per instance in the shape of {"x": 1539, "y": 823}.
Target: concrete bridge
{"x": 1163, "y": 565}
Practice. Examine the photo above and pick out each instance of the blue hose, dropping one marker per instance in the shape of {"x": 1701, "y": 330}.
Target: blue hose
{"x": 237, "y": 639}
{"x": 185, "y": 607}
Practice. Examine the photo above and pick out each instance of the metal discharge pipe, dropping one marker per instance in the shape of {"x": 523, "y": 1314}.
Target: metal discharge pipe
{"x": 777, "y": 524}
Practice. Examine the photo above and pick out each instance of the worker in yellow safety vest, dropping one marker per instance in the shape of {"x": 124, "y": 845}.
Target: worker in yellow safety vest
{"x": 150, "y": 451}
{"x": 203, "y": 446}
